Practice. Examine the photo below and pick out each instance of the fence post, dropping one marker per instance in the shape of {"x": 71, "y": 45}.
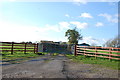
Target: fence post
{"x": 110, "y": 53}
{"x": 84, "y": 51}
{"x": 75, "y": 53}
{"x": 25, "y": 48}
{"x": 12, "y": 48}
{"x": 37, "y": 48}
{"x": 95, "y": 52}
{"x": 34, "y": 47}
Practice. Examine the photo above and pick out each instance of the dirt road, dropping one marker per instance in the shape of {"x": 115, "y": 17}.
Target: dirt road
{"x": 55, "y": 67}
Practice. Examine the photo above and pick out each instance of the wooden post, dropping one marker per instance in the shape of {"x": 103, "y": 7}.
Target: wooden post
{"x": 75, "y": 53}
{"x": 95, "y": 52}
{"x": 84, "y": 51}
{"x": 12, "y": 48}
{"x": 25, "y": 48}
{"x": 110, "y": 53}
{"x": 37, "y": 48}
{"x": 34, "y": 47}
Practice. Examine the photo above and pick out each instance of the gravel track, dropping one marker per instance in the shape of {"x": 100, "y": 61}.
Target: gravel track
{"x": 56, "y": 67}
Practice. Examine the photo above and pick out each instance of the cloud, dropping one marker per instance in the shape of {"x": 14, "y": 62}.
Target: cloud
{"x": 52, "y": 28}
{"x": 117, "y": 15}
{"x": 64, "y": 24}
{"x": 110, "y": 18}
{"x": 19, "y": 33}
{"x": 86, "y": 15}
{"x": 56, "y": 28}
{"x": 78, "y": 2}
{"x": 79, "y": 25}
{"x": 98, "y": 24}
{"x": 67, "y": 15}
{"x": 90, "y": 40}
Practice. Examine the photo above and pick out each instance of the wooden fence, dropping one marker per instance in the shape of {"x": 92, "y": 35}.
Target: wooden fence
{"x": 103, "y": 52}
{"x": 15, "y": 47}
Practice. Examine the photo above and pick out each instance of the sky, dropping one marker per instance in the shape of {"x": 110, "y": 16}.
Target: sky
{"x": 33, "y": 21}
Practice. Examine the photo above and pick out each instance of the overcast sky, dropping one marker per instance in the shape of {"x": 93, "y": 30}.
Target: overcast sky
{"x": 35, "y": 21}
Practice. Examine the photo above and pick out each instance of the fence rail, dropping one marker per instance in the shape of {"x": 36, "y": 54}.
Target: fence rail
{"x": 23, "y": 47}
{"x": 103, "y": 52}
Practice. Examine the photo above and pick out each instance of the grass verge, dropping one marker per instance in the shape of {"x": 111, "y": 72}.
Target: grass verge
{"x": 17, "y": 56}
{"x": 91, "y": 60}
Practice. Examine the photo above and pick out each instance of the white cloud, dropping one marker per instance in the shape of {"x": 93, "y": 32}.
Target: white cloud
{"x": 64, "y": 24}
{"x": 79, "y": 25}
{"x": 52, "y": 27}
{"x": 56, "y": 28}
{"x": 18, "y": 33}
{"x": 12, "y": 32}
{"x": 78, "y": 2}
{"x": 90, "y": 40}
{"x": 86, "y": 15}
{"x": 117, "y": 15}
{"x": 67, "y": 15}
{"x": 98, "y": 24}
{"x": 110, "y": 18}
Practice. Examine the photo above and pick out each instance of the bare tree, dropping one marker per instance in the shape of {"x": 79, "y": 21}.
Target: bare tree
{"x": 113, "y": 42}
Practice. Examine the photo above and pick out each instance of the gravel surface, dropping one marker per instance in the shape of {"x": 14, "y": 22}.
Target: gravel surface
{"x": 56, "y": 67}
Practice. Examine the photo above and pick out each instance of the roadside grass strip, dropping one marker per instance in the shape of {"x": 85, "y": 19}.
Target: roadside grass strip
{"x": 19, "y": 56}
{"x": 113, "y": 64}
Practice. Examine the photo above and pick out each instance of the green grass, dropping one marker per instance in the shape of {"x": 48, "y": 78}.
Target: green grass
{"x": 55, "y": 54}
{"x": 91, "y": 60}
{"x": 0, "y": 57}
{"x": 19, "y": 55}
{"x": 100, "y": 51}
{"x": 44, "y": 53}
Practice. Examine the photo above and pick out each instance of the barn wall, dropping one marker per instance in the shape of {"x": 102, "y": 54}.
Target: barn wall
{"x": 49, "y": 47}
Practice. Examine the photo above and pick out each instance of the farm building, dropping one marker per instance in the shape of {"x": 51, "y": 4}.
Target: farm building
{"x": 50, "y": 46}
{"x": 83, "y": 44}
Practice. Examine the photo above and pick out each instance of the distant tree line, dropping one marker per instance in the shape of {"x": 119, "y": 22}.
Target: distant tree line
{"x": 27, "y": 42}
